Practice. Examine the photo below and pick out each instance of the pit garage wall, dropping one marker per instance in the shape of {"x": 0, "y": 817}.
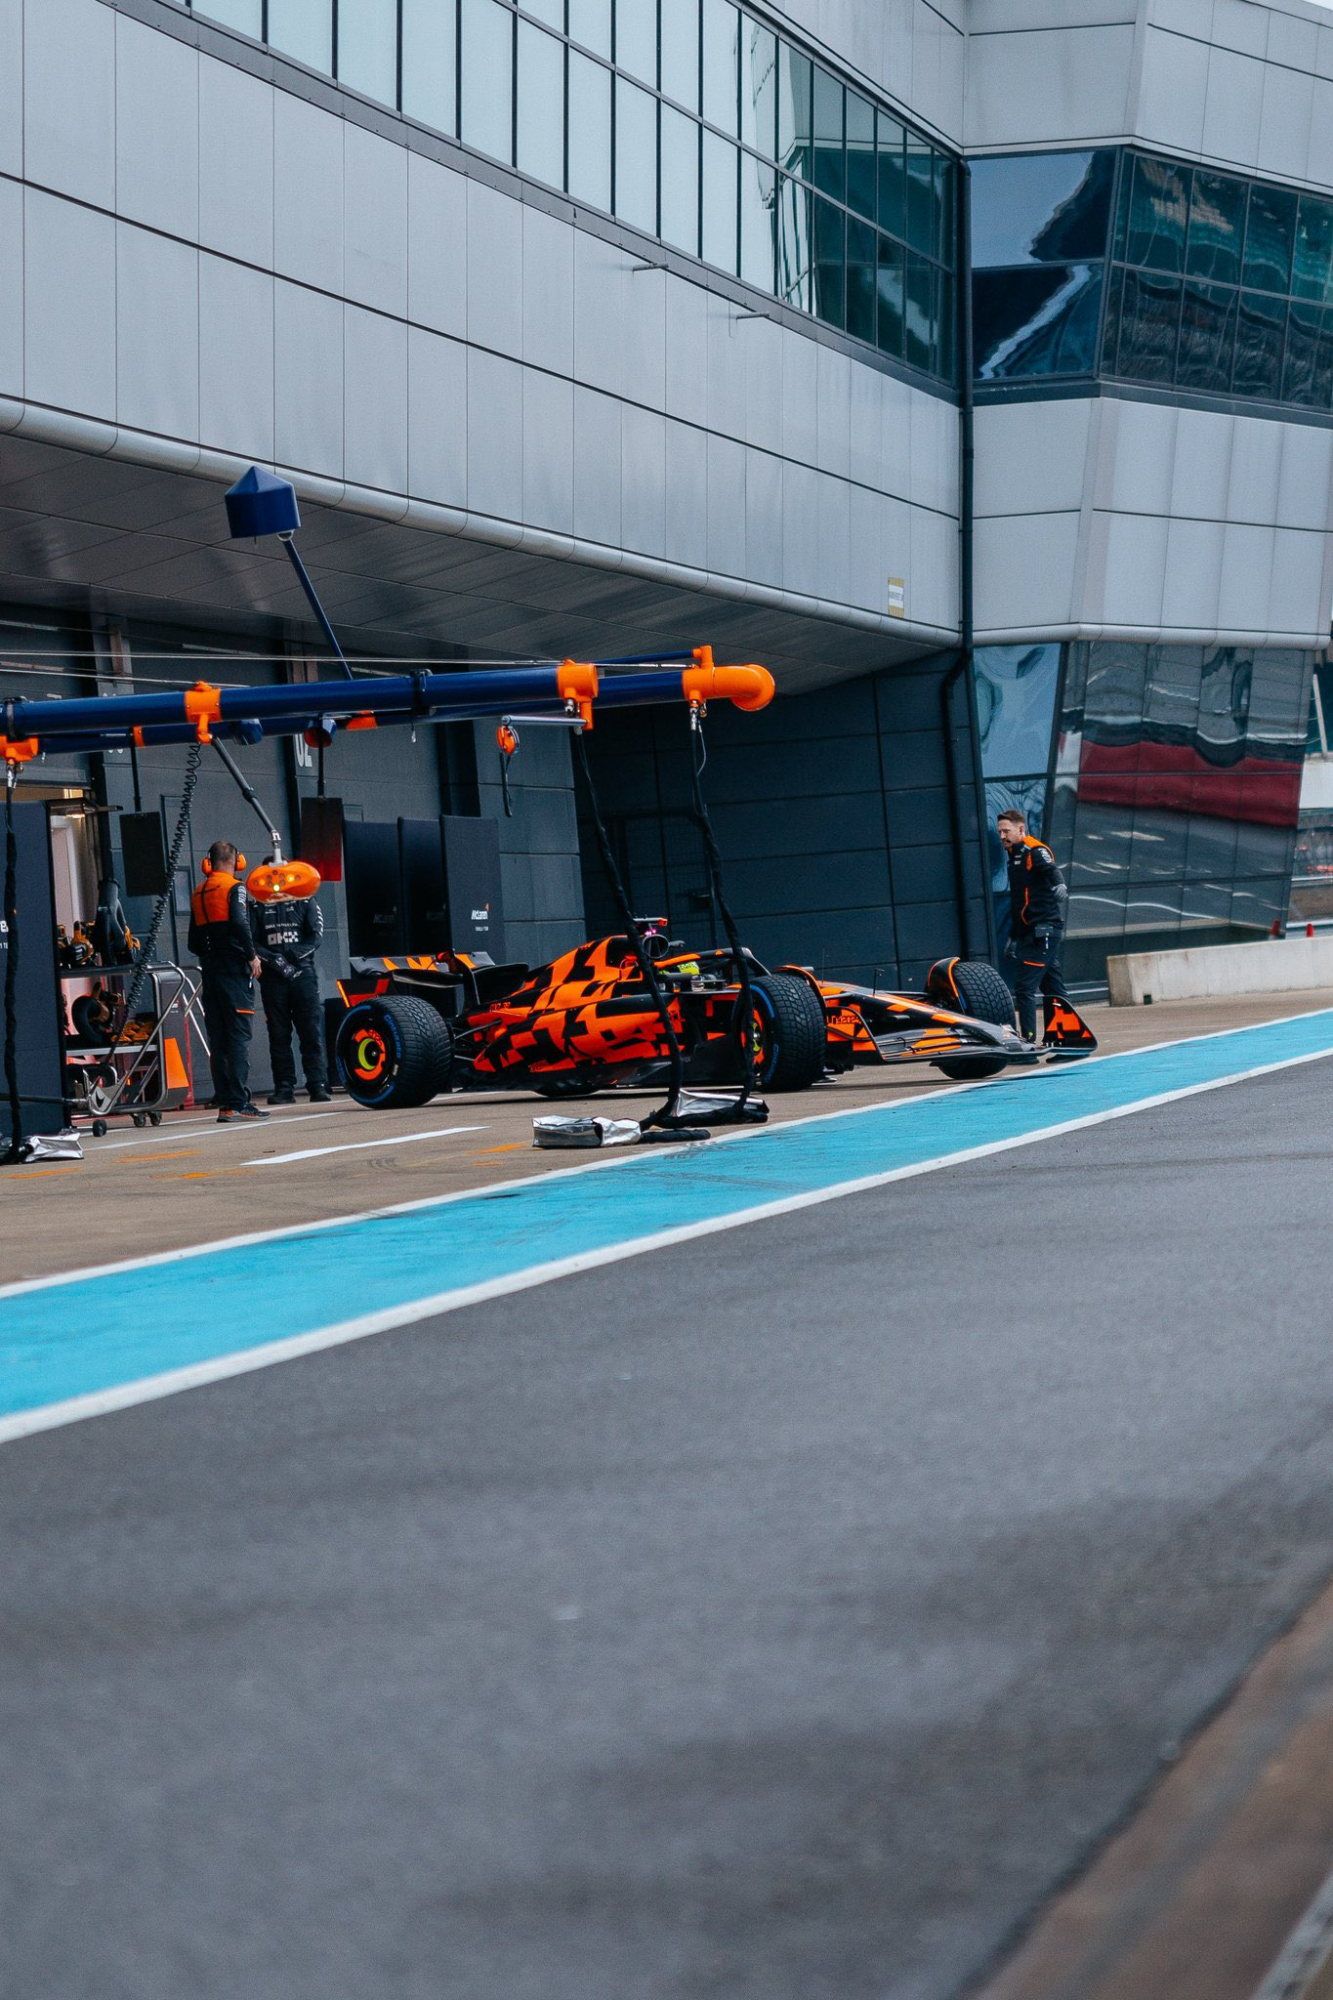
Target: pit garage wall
{"x": 833, "y": 814}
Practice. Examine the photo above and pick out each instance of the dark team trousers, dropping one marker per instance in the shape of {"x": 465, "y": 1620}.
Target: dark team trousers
{"x": 229, "y": 1016}
{"x": 1039, "y": 971}
{"x": 295, "y": 1003}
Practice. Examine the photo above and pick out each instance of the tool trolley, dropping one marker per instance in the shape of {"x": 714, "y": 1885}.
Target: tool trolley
{"x": 136, "y": 1069}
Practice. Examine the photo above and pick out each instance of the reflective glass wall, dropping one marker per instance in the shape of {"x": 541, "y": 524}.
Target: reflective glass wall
{"x": 1177, "y": 792}
{"x": 688, "y": 119}
{"x": 1016, "y": 693}
{"x": 1040, "y": 224}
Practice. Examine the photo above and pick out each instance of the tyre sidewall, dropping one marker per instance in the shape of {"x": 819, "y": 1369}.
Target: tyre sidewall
{"x": 364, "y": 1025}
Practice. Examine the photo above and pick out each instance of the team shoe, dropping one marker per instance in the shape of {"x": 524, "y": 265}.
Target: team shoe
{"x": 283, "y": 1097}
{"x": 317, "y": 1096}
{"x": 229, "y": 1116}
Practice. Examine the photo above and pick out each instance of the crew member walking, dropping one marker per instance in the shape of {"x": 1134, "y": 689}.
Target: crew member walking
{"x": 287, "y": 936}
{"x": 1038, "y": 900}
{"x": 220, "y": 939}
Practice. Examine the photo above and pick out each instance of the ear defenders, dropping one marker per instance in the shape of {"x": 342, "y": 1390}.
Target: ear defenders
{"x": 206, "y": 866}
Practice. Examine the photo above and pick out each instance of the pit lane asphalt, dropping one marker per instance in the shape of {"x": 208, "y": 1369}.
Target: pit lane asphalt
{"x": 780, "y": 1614}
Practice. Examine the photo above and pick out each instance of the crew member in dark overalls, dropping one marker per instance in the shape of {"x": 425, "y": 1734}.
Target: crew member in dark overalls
{"x": 1038, "y": 901}
{"x": 220, "y": 939}
{"x": 287, "y": 936}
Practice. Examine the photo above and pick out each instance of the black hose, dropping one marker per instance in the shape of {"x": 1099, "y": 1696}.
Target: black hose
{"x": 743, "y": 1018}
{"x": 149, "y": 946}
{"x": 12, "y": 973}
{"x": 644, "y": 962}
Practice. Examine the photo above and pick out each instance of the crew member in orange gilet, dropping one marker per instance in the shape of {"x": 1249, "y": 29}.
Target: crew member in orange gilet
{"x": 220, "y": 939}
{"x": 1038, "y": 901}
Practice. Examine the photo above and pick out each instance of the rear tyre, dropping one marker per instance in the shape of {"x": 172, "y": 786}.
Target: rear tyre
{"x": 985, "y": 996}
{"x": 394, "y": 1053}
{"x": 790, "y": 1032}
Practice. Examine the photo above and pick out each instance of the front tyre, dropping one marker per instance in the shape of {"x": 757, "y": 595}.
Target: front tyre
{"x": 790, "y": 1032}
{"x": 983, "y": 994}
{"x": 394, "y": 1053}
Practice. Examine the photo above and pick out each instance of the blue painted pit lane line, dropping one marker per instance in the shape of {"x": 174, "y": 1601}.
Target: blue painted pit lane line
{"x": 80, "y": 1345}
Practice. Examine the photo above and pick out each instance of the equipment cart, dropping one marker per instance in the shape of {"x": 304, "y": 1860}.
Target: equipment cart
{"x": 146, "y": 1071}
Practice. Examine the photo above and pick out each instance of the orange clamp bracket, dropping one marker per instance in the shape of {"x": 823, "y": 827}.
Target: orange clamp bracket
{"x": 507, "y": 739}
{"x": 21, "y": 750}
{"x": 750, "y": 687}
{"x": 361, "y": 722}
{"x": 203, "y": 705}
{"x": 577, "y": 683}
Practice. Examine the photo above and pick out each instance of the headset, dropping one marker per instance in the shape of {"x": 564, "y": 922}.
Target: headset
{"x": 206, "y": 866}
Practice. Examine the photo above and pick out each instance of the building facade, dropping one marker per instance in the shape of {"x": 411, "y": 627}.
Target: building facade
{"x": 866, "y": 340}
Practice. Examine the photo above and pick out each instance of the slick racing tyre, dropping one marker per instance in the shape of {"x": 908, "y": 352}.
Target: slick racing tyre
{"x": 984, "y": 995}
{"x": 394, "y": 1053}
{"x": 790, "y": 1033}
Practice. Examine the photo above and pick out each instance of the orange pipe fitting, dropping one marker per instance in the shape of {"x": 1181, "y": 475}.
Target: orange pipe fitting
{"x": 361, "y": 722}
{"x": 750, "y": 687}
{"x": 576, "y": 682}
{"x": 203, "y": 705}
{"x": 21, "y": 750}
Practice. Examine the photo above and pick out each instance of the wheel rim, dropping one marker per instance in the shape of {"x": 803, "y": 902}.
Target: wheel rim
{"x": 368, "y": 1061}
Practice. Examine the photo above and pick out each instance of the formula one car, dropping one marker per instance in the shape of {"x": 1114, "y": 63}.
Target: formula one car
{"x": 418, "y": 1027}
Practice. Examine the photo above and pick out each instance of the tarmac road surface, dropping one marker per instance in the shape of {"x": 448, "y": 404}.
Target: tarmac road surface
{"x": 781, "y": 1614}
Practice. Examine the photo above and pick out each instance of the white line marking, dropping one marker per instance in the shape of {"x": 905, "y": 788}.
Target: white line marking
{"x": 364, "y": 1145}
{"x": 77, "y": 1409}
{"x": 627, "y": 1162}
{"x": 210, "y": 1131}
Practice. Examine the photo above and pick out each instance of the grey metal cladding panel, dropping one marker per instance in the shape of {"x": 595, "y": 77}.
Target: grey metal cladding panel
{"x": 494, "y": 435}
{"x": 908, "y": 702}
{"x": 375, "y": 220}
{"x": 375, "y": 364}
{"x": 308, "y": 399}
{"x": 800, "y": 528}
{"x": 69, "y": 258}
{"x": 917, "y": 818}
{"x": 834, "y": 411}
{"x": 437, "y": 246}
{"x": 726, "y": 505}
{"x": 1285, "y": 121}
{"x": 787, "y": 771}
{"x": 728, "y": 358}
{"x": 69, "y": 99}
{"x": 157, "y": 129}
{"x": 1173, "y": 92}
{"x": 597, "y": 457}
{"x": 834, "y": 516}
{"x": 235, "y": 163}
{"x": 800, "y": 399}
{"x": 1234, "y": 110}
{"x": 548, "y": 292}
{"x": 856, "y": 881}
{"x": 644, "y": 335}
{"x": 642, "y": 480}
{"x": 308, "y": 230}
{"x": 1049, "y": 85}
{"x": 437, "y": 425}
{"x": 833, "y": 941}
{"x": 763, "y": 384}
{"x": 11, "y": 87}
{"x": 926, "y": 931}
{"x": 494, "y": 269}
{"x": 236, "y": 358}
{"x": 922, "y": 875}
{"x": 157, "y": 333}
{"x": 686, "y": 526}
{"x": 600, "y": 275}
{"x": 770, "y": 829}
{"x": 763, "y": 518}
{"x": 11, "y": 295}
{"x": 686, "y": 351}
{"x": 913, "y": 759}
{"x": 548, "y": 451}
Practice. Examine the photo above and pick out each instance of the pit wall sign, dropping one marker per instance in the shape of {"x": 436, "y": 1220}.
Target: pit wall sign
{"x": 897, "y": 597}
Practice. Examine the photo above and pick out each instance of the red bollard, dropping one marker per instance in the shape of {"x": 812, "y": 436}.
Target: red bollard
{"x": 1309, "y": 930}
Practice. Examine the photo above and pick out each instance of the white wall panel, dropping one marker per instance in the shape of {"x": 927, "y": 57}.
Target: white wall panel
{"x": 1284, "y": 123}
{"x": 1201, "y": 475}
{"x": 1234, "y": 109}
{"x": 157, "y": 333}
{"x": 157, "y": 129}
{"x": 1136, "y": 458}
{"x": 494, "y": 269}
{"x": 686, "y": 351}
{"x": 800, "y": 400}
{"x": 11, "y": 86}
{"x": 833, "y": 405}
{"x": 1173, "y": 93}
{"x": 1050, "y": 85}
{"x": 308, "y": 229}
{"x": 235, "y": 358}
{"x": 1032, "y": 458}
{"x": 868, "y": 563}
{"x": 69, "y": 98}
{"x": 643, "y": 331}
{"x": 1024, "y": 572}
{"x": 1256, "y": 467}
{"x": 726, "y": 506}
{"x": 308, "y": 380}
{"x": 932, "y": 575}
{"x": 494, "y": 435}
{"x": 235, "y": 163}
{"x": 643, "y": 481}
{"x": 375, "y": 379}
{"x": 548, "y": 292}
{"x": 727, "y": 359}
{"x": 1247, "y": 572}
{"x": 1304, "y": 481}
{"x": 596, "y": 467}
{"x": 437, "y": 418}
{"x": 1192, "y": 585}
{"x": 375, "y": 220}
{"x": 800, "y": 528}
{"x": 763, "y": 383}
{"x": 69, "y": 320}
{"x": 548, "y": 451}
{"x": 1296, "y": 602}
{"x": 834, "y": 515}
{"x": 763, "y": 517}
{"x": 436, "y": 246}
{"x": 686, "y": 495}
{"x": 601, "y": 273}
{"x": 11, "y": 294}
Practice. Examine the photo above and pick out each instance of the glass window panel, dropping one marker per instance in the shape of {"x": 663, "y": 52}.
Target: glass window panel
{"x": 1257, "y": 905}
{"x": 636, "y": 39}
{"x": 921, "y": 315}
{"x": 1217, "y": 227}
{"x": 830, "y": 262}
{"x": 550, "y": 11}
{"x": 541, "y": 105}
{"x": 947, "y": 361}
{"x": 1115, "y": 301}
{"x": 793, "y": 111}
{"x": 1042, "y": 208}
{"x": 1016, "y": 687}
{"x": 794, "y": 243}
{"x": 722, "y": 30}
{"x": 636, "y": 156}
{"x": 1207, "y": 338}
{"x": 1123, "y": 194}
{"x": 589, "y": 24}
{"x": 890, "y": 289}
{"x": 1260, "y": 327}
{"x": 862, "y": 256}
{"x": 304, "y": 29}
{"x": 680, "y": 181}
{"x": 1158, "y": 209}
{"x": 1279, "y": 701}
{"x": 758, "y": 196}
{"x": 589, "y": 131}
{"x": 368, "y": 47}
{"x": 1224, "y": 703}
{"x": 680, "y": 52}
{"x": 945, "y": 208}
{"x": 1300, "y": 366}
{"x": 429, "y": 69}
{"x": 720, "y": 197}
{"x": 1149, "y": 328}
{"x": 1312, "y": 270}
{"x": 922, "y": 232}
{"x": 759, "y": 87}
{"x": 1323, "y": 376}
{"x": 1270, "y": 237}
{"x": 1204, "y": 905}
{"x": 891, "y": 163}
{"x": 488, "y": 78}
{"x": 247, "y": 15}
{"x": 1115, "y": 687}
{"x": 830, "y": 160}
{"x": 862, "y": 191}
{"x": 1039, "y": 321}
